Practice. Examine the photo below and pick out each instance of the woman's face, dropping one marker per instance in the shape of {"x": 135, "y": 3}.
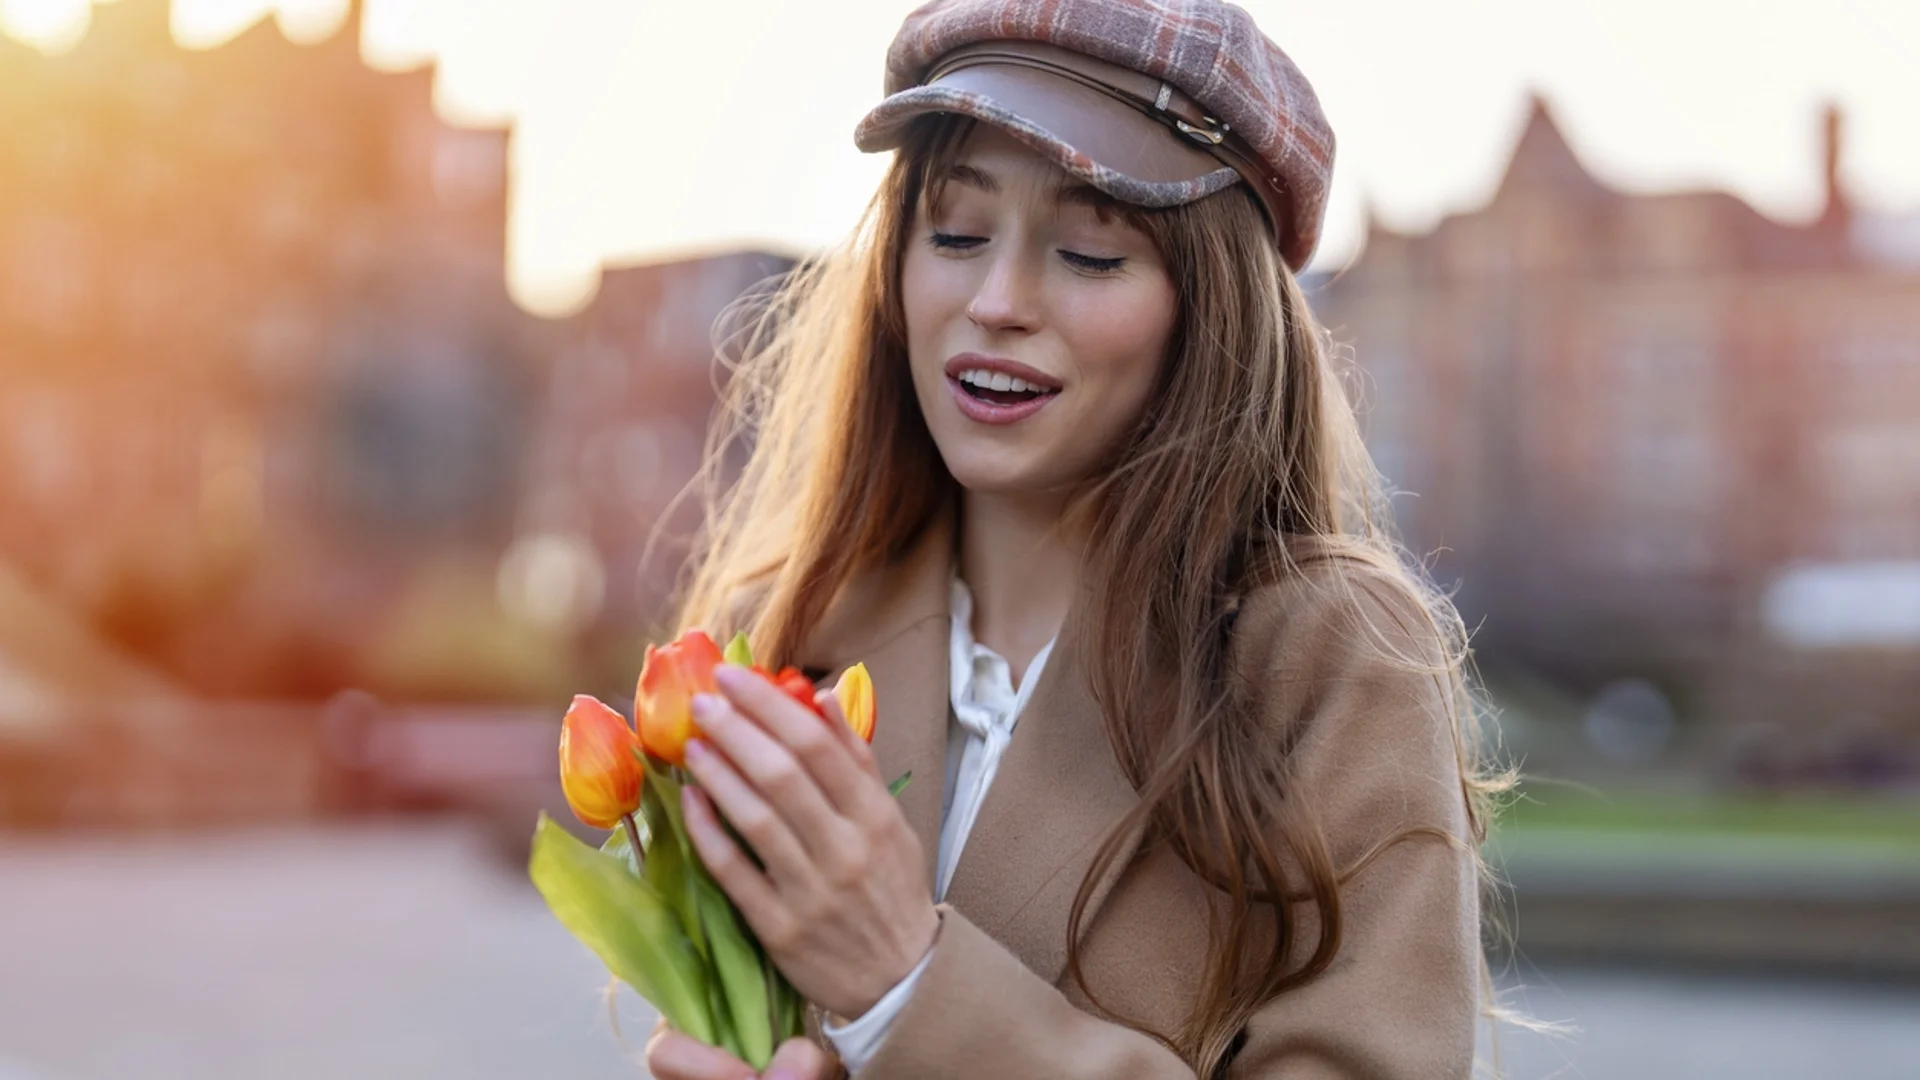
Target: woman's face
{"x": 1035, "y": 329}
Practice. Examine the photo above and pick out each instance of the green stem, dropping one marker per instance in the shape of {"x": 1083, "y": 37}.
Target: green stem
{"x": 633, "y": 838}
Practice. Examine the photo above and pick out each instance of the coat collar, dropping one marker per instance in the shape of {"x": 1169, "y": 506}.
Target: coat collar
{"x": 1058, "y": 788}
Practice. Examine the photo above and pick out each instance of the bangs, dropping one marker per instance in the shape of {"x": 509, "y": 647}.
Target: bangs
{"x": 936, "y": 143}
{"x": 933, "y": 147}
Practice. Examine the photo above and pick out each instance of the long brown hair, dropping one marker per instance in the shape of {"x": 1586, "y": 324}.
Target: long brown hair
{"x": 1250, "y": 448}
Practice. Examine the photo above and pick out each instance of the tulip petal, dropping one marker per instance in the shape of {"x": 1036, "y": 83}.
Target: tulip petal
{"x": 598, "y": 772}
{"x": 854, "y": 691}
{"x": 663, "y": 703}
{"x": 795, "y": 685}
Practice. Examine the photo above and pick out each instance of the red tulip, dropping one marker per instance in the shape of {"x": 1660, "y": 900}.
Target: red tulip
{"x": 598, "y": 770}
{"x": 663, "y": 705}
{"x": 793, "y": 684}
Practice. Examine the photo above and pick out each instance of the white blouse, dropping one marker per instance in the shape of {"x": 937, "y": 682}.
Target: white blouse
{"x": 986, "y": 705}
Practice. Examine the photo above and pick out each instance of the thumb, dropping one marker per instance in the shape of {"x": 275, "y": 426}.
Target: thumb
{"x": 672, "y": 1055}
{"x": 799, "y": 1059}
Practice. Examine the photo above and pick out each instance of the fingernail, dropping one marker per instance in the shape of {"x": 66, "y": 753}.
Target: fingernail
{"x": 730, "y": 675}
{"x": 705, "y": 707}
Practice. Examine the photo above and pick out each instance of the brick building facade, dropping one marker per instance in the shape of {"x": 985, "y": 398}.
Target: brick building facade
{"x": 267, "y": 412}
{"x": 1620, "y": 418}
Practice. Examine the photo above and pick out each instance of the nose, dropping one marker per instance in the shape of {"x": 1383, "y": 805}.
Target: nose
{"x": 1007, "y": 296}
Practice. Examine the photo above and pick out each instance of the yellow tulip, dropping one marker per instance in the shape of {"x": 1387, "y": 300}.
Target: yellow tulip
{"x": 663, "y": 705}
{"x": 854, "y": 692}
{"x": 598, "y": 770}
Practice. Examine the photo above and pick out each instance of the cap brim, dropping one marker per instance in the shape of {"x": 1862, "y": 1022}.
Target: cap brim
{"x": 1091, "y": 135}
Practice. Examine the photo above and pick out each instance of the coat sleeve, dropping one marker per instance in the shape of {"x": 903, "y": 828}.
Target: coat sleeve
{"x": 1373, "y": 748}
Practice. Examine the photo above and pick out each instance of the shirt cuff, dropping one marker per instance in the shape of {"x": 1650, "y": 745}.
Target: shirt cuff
{"x": 858, "y": 1040}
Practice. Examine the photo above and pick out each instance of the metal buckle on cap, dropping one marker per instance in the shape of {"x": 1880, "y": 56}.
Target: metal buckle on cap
{"x": 1215, "y": 135}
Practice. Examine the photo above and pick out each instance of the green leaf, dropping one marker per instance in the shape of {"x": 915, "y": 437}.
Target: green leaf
{"x": 737, "y": 964}
{"x": 732, "y": 954}
{"x": 789, "y": 1008}
{"x": 669, "y": 853}
{"x": 738, "y": 651}
{"x": 626, "y": 924}
{"x": 894, "y": 789}
{"x": 725, "y": 1038}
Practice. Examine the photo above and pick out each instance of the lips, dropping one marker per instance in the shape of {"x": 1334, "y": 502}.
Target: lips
{"x": 1013, "y": 369}
{"x": 995, "y": 390}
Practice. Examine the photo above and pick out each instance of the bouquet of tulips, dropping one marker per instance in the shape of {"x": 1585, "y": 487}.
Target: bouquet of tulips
{"x": 643, "y": 901}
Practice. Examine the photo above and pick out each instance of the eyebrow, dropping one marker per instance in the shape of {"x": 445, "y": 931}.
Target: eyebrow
{"x": 1071, "y": 194}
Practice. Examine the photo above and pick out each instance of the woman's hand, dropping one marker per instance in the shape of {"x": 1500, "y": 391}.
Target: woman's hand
{"x": 673, "y": 1056}
{"x": 842, "y": 904}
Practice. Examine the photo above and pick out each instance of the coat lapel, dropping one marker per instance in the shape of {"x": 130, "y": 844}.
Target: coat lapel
{"x": 1058, "y": 788}
{"x": 1057, "y": 792}
{"x": 896, "y": 620}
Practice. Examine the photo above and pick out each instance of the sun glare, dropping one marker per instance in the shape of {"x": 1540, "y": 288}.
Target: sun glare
{"x": 307, "y": 22}
{"x": 52, "y": 26}
{"x": 208, "y": 24}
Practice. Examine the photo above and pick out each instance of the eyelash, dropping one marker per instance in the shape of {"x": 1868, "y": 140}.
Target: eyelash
{"x": 1088, "y": 263}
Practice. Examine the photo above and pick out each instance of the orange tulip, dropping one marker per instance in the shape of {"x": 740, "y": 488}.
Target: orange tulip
{"x": 664, "y": 703}
{"x": 854, "y": 691}
{"x": 598, "y": 770}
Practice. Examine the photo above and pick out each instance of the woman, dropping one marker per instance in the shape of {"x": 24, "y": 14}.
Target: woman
{"x": 1055, "y": 447}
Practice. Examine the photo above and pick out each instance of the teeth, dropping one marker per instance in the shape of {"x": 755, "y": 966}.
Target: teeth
{"x": 994, "y": 380}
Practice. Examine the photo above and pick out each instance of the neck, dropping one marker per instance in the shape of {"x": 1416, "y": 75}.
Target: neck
{"x": 1021, "y": 561}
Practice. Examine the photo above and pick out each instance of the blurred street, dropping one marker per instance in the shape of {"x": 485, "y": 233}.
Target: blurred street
{"x": 418, "y": 951}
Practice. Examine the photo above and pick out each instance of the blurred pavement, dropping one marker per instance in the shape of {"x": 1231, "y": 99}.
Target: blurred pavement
{"x": 415, "y": 950}
{"x": 372, "y": 952}
{"x": 1665, "y": 1025}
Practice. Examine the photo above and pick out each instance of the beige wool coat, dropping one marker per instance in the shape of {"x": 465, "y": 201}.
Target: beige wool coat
{"x": 1374, "y": 754}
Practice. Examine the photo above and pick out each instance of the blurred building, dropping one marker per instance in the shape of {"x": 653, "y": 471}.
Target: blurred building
{"x": 1623, "y": 420}
{"x": 625, "y": 424}
{"x": 256, "y": 338}
{"x": 267, "y": 412}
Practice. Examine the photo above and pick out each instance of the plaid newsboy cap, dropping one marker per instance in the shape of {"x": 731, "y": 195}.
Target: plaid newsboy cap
{"x": 1155, "y": 102}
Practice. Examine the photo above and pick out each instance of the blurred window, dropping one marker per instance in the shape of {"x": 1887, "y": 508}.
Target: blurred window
{"x": 1390, "y": 393}
{"x": 423, "y": 448}
{"x": 1660, "y": 407}
{"x": 1865, "y": 453}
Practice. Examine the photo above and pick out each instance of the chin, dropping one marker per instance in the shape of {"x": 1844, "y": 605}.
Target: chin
{"x": 991, "y": 474}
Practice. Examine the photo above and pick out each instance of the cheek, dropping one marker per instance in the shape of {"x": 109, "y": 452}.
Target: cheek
{"x": 1119, "y": 342}
{"x": 932, "y": 294}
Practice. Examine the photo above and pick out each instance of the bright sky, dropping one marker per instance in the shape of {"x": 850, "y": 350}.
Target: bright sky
{"x": 648, "y": 129}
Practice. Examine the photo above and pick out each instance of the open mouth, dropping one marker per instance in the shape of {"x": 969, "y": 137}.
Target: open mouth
{"x": 1003, "y": 397}
{"x": 995, "y": 388}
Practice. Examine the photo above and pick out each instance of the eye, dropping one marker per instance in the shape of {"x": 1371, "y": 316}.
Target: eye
{"x": 955, "y": 242}
{"x": 1092, "y": 264}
